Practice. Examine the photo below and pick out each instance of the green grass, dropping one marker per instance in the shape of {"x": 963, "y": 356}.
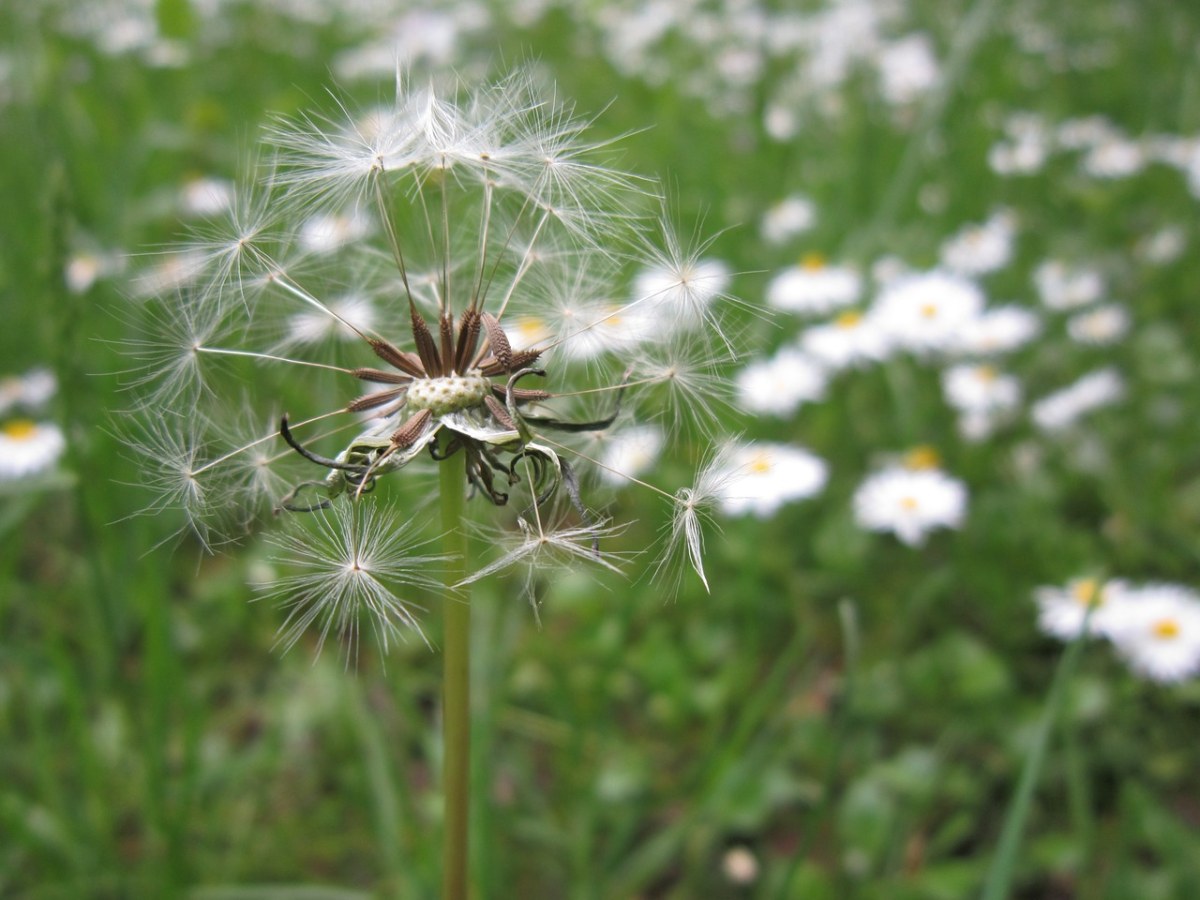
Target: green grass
{"x": 856, "y": 712}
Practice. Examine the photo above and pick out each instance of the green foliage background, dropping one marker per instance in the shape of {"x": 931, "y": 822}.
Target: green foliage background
{"x": 853, "y": 711}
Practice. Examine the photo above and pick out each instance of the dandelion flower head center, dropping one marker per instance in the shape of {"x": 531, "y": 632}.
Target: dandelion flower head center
{"x": 849, "y": 319}
{"x": 20, "y": 429}
{"x": 812, "y": 262}
{"x": 922, "y": 457}
{"x": 448, "y": 393}
{"x": 1166, "y": 629}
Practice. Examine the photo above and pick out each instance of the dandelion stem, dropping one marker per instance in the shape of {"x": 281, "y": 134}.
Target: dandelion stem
{"x": 456, "y": 722}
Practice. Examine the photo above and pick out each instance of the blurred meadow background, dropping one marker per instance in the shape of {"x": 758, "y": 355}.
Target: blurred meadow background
{"x": 847, "y": 713}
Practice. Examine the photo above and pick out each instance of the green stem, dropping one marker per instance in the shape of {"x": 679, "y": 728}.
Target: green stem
{"x": 456, "y": 695}
{"x": 1000, "y": 875}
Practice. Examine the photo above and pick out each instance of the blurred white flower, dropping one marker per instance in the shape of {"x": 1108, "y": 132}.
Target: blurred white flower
{"x": 1063, "y": 408}
{"x": 1062, "y": 610}
{"x": 28, "y": 447}
{"x": 928, "y": 312}
{"x": 910, "y": 502}
{"x": 1064, "y": 287}
{"x": 326, "y": 232}
{"x": 777, "y": 386}
{"x": 760, "y": 477}
{"x": 1114, "y": 157}
{"x": 851, "y": 339}
{"x": 1099, "y": 326}
{"x": 814, "y": 288}
{"x": 1157, "y": 632}
{"x": 30, "y": 391}
{"x": 908, "y": 69}
{"x": 980, "y": 249}
{"x": 1001, "y": 329}
{"x": 206, "y": 196}
{"x": 628, "y": 453}
{"x": 787, "y": 219}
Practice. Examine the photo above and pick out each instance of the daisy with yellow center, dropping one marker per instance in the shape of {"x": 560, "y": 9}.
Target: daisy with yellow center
{"x": 28, "y": 448}
{"x": 1158, "y": 632}
{"x": 761, "y": 477}
{"x": 911, "y": 501}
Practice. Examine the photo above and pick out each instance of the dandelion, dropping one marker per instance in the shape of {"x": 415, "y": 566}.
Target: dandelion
{"x": 443, "y": 283}
{"x": 482, "y": 224}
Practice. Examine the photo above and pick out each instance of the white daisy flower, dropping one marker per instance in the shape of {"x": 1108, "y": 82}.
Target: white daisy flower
{"x": 814, "y": 288}
{"x": 761, "y": 477}
{"x": 1062, "y": 610}
{"x": 980, "y": 388}
{"x": 1063, "y": 408}
{"x": 777, "y": 386}
{"x": 1101, "y": 326}
{"x": 351, "y": 316}
{"x": 928, "y": 312}
{"x": 206, "y": 196}
{"x": 326, "y": 232}
{"x": 980, "y": 249}
{"x": 1067, "y": 287}
{"x": 1115, "y": 157}
{"x": 908, "y": 69}
{"x": 1158, "y": 632}
{"x": 999, "y": 330}
{"x": 528, "y": 331}
{"x": 852, "y": 339}
{"x": 27, "y": 448}
{"x": 629, "y": 453}
{"x": 31, "y": 390}
{"x": 787, "y": 219}
{"x": 910, "y": 502}
{"x": 1163, "y": 246}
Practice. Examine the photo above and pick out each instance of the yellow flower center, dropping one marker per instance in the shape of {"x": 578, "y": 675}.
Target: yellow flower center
{"x": 1166, "y": 629}
{"x": 19, "y": 429}
{"x": 909, "y": 503}
{"x": 1087, "y": 592}
{"x": 849, "y": 319}
{"x": 761, "y": 464}
{"x": 929, "y": 310}
{"x": 922, "y": 457}
{"x": 812, "y": 262}
{"x": 986, "y": 373}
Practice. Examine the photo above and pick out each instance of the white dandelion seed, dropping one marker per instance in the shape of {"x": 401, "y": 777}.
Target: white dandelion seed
{"x": 346, "y": 564}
